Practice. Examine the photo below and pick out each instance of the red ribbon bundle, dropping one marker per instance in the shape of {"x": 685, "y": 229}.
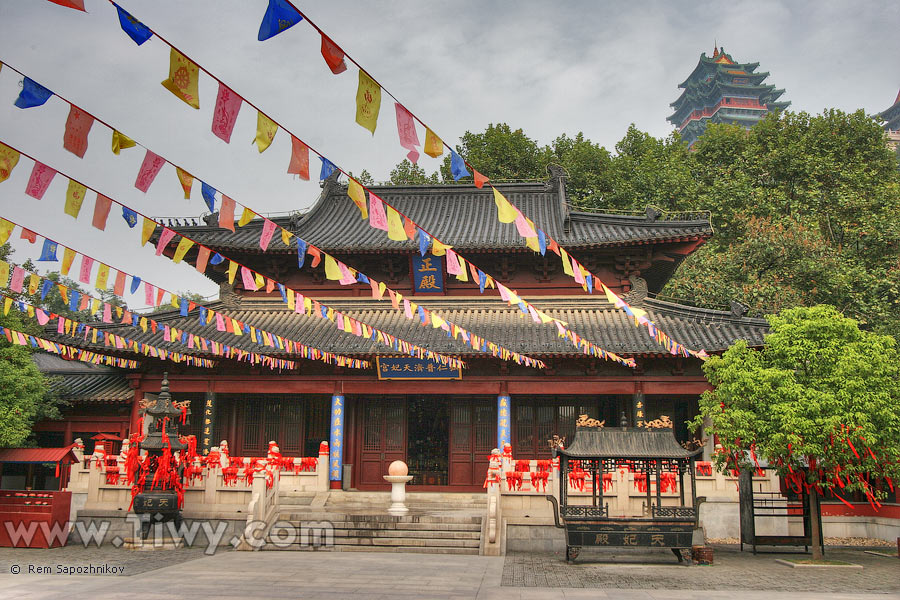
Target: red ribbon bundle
{"x": 640, "y": 482}
{"x": 523, "y": 466}
{"x": 112, "y": 474}
{"x": 704, "y": 467}
{"x": 576, "y": 480}
{"x": 514, "y": 480}
{"x": 540, "y": 479}
{"x": 668, "y": 482}
{"x": 543, "y": 466}
{"x": 607, "y": 482}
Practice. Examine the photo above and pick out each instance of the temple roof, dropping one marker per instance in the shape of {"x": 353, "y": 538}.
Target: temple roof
{"x": 76, "y": 381}
{"x": 591, "y": 317}
{"x": 891, "y": 115}
{"x": 624, "y": 442}
{"x": 460, "y": 215}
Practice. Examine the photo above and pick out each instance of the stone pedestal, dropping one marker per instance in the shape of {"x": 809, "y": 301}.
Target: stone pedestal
{"x": 398, "y": 493}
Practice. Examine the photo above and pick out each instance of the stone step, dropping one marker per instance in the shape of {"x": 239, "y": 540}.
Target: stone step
{"x": 421, "y": 506}
{"x": 379, "y": 526}
{"x": 290, "y": 515}
{"x": 412, "y": 549}
{"x": 409, "y": 542}
{"x": 407, "y": 534}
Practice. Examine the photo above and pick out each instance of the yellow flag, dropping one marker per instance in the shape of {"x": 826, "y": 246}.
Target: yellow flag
{"x": 286, "y": 236}
{"x": 437, "y": 248}
{"x": 532, "y": 243}
{"x": 68, "y": 257}
{"x": 368, "y": 101}
{"x": 238, "y": 330}
{"x": 175, "y": 301}
{"x": 566, "y": 262}
{"x": 610, "y": 296}
{"x": 506, "y": 212}
{"x": 437, "y": 322}
{"x": 246, "y": 217}
{"x": 291, "y": 299}
{"x": 120, "y": 141}
{"x": 8, "y": 160}
{"x": 33, "y": 282}
{"x": 434, "y": 147}
{"x": 4, "y": 273}
{"x": 232, "y": 269}
{"x": 187, "y": 181}
{"x": 183, "y": 77}
{"x": 358, "y": 195}
{"x": 6, "y": 228}
{"x": 463, "y": 274}
{"x": 395, "y": 225}
{"x": 265, "y": 131}
{"x": 102, "y": 277}
{"x": 147, "y": 230}
{"x": 258, "y": 279}
{"x": 74, "y": 198}
{"x": 332, "y": 271}
{"x": 184, "y": 245}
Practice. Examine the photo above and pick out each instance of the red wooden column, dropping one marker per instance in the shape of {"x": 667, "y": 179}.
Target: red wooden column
{"x": 137, "y": 384}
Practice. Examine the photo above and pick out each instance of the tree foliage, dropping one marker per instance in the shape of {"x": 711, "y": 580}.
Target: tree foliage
{"x": 407, "y": 173}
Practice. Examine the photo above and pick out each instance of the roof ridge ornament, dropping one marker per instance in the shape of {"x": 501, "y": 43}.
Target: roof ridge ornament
{"x": 557, "y": 181}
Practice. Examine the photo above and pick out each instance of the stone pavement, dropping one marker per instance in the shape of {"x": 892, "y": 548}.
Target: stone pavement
{"x": 189, "y": 573}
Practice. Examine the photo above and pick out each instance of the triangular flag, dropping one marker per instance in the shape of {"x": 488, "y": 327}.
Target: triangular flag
{"x": 567, "y": 263}
{"x": 76, "y": 4}
{"x": 438, "y": 248}
{"x": 333, "y": 56}
{"x": 202, "y": 259}
{"x": 328, "y": 168}
{"x": 480, "y": 179}
{"x": 434, "y": 147}
{"x": 41, "y": 176}
{"x": 265, "y": 131}
{"x": 183, "y": 78}
{"x": 78, "y": 125}
{"x": 74, "y": 198}
{"x": 246, "y": 217}
{"x": 120, "y": 142}
{"x": 226, "y": 213}
{"x": 164, "y": 238}
{"x": 265, "y": 237}
{"x": 358, "y": 195}
{"x": 406, "y": 129}
{"x": 395, "y": 226}
{"x": 68, "y": 257}
{"x": 32, "y": 94}
{"x": 129, "y": 216}
{"x": 458, "y": 166}
{"x": 279, "y": 16}
{"x": 332, "y": 271}
{"x": 48, "y": 252}
{"x": 184, "y": 245}
{"x": 186, "y": 180}
{"x": 9, "y": 158}
{"x": 147, "y": 230}
{"x": 209, "y": 195}
{"x": 232, "y": 269}
{"x": 368, "y": 101}
{"x": 136, "y": 30}
{"x": 299, "y": 164}
{"x": 29, "y": 235}
{"x": 506, "y": 212}
{"x": 149, "y": 169}
{"x": 377, "y": 215}
{"x": 525, "y": 226}
{"x": 6, "y": 228}
{"x": 228, "y": 104}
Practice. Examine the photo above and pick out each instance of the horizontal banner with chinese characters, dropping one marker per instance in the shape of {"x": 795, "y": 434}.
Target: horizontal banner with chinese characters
{"x": 407, "y": 367}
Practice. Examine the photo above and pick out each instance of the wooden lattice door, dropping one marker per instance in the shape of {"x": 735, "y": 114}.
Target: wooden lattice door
{"x": 473, "y": 434}
{"x": 384, "y": 439}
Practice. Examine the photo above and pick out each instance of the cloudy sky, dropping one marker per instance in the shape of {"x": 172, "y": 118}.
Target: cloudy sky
{"x": 547, "y": 67}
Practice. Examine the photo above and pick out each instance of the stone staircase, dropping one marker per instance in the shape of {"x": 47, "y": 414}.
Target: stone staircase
{"x": 437, "y": 523}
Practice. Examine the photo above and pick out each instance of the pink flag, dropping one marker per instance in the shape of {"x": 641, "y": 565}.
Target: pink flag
{"x": 225, "y": 114}
{"x": 107, "y": 313}
{"x": 406, "y": 129}
{"x": 226, "y": 213}
{"x": 148, "y": 294}
{"x": 42, "y": 317}
{"x": 78, "y": 125}
{"x": 504, "y": 291}
{"x": 576, "y": 268}
{"x": 247, "y": 276}
{"x": 60, "y": 325}
{"x": 149, "y": 168}
{"x": 267, "y": 230}
{"x": 220, "y": 322}
{"x": 41, "y": 176}
{"x": 377, "y": 214}
{"x": 101, "y": 211}
{"x": 299, "y": 164}
{"x": 164, "y": 238}
{"x": 452, "y": 262}
{"x": 347, "y": 277}
{"x": 407, "y": 309}
{"x": 202, "y": 259}
{"x": 18, "y": 278}
{"x": 87, "y": 264}
{"x": 524, "y": 227}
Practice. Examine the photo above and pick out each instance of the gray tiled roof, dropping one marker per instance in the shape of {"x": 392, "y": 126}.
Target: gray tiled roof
{"x": 461, "y": 215}
{"x": 590, "y": 317}
{"x": 77, "y": 381}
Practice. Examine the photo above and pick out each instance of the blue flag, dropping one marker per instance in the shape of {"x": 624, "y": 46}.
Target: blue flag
{"x": 48, "y": 252}
{"x": 424, "y": 242}
{"x": 589, "y": 281}
{"x": 482, "y": 280}
{"x": 283, "y": 293}
{"x": 362, "y": 278}
{"x": 328, "y": 168}
{"x": 135, "y": 283}
{"x": 130, "y": 216}
{"x": 542, "y": 242}
{"x": 209, "y": 194}
{"x": 301, "y": 253}
{"x": 74, "y": 297}
{"x": 457, "y": 166}
{"x": 279, "y": 16}
{"x": 184, "y": 307}
{"x": 45, "y": 288}
{"x": 134, "y": 28}
{"x": 32, "y": 94}
{"x": 216, "y": 259}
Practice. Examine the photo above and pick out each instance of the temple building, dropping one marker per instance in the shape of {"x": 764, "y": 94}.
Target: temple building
{"x": 720, "y": 90}
{"x": 891, "y": 119}
{"x": 444, "y": 422}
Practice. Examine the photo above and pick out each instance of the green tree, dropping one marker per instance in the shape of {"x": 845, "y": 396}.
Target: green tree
{"x": 407, "y": 173}
{"x": 500, "y": 153}
{"x": 820, "y": 400}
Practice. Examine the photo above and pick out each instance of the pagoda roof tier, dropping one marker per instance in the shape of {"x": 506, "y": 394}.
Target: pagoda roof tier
{"x": 460, "y": 215}
{"x": 592, "y": 317}
{"x": 724, "y": 79}
{"x": 706, "y": 97}
{"x": 718, "y": 61}
{"x": 625, "y": 442}
{"x": 891, "y": 115}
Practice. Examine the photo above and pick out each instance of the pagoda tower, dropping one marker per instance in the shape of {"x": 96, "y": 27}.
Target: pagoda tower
{"x": 720, "y": 90}
{"x": 890, "y": 118}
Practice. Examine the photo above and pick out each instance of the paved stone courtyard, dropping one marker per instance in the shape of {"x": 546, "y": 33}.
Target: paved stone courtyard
{"x": 189, "y": 573}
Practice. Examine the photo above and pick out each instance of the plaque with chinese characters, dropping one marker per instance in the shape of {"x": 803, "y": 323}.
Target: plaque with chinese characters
{"x": 428, "y": 273}
{"x": 407, "y": 367}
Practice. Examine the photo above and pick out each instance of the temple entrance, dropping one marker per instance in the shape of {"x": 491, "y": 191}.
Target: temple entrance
{"x": 384, "y": 439}
{"x": 473, "y": 424}
{"x": 428, "y": 439}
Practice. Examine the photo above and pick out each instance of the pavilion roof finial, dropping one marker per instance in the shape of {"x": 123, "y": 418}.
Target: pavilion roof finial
{"x": 898, "y": 98}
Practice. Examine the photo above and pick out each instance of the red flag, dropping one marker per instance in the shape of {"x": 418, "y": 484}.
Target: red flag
{"x": 480, "y": 179}
{"x": 76, "y": 4}
{"x": 226, "y": 213}
{"x": 228, "y": 104}
{"x": 78, "y": 125}
{"x": 149, "y": 169}
{"x": 333, "y": 55}
{"x": 299, "y": 159}
{"x": 41, "y": 176}
{"x": 119, "y": 286}
{"x": 101, "y": 212}
{"x": 406, "y": 129}
{"x": 202, "y": 258}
